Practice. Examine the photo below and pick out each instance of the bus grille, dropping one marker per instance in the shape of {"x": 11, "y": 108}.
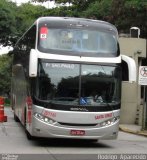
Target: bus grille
{"x": 75, "y": 124}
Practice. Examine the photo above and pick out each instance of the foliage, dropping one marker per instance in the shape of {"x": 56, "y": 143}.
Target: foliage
{"x": 128, "y": 13}
{"x": 98, "y": 10}
{"x": 26, "y": 15}
{"x": 5, "y": 74}
{"x": 122, "y": 13}
{"x": 15, "y": 20}
{"x": 7, "y": 22}
{"x": 80, "y": 4}
{"x": 41, "y": 0}
{"x": 137, "y": 15}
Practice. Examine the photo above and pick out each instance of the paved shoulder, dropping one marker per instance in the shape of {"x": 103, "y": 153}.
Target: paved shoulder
{"x": 135, "y": 129}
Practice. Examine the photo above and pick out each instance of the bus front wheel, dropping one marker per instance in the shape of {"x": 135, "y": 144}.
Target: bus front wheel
{"x": 16, "y": 119}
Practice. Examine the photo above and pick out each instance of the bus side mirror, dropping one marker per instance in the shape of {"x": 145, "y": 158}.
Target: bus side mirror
{"x": 128, "y": 69}
{"x": 33, "y": 63}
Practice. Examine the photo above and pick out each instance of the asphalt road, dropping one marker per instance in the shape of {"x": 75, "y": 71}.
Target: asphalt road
{"x": 15, "y": 145}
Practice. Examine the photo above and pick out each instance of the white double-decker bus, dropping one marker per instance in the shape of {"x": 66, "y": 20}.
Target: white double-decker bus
{"x": 66, "y": 80}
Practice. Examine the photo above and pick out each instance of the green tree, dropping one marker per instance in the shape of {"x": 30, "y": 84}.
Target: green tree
{"x": 7, "y": 22}
{"x": 41, "y": 0}
{"x": 5, "y": 74}
{"x": 26, "y": 14}
{"x": 80, "y": 4}
{"x": 122, "y": 13}
{"x": 98, "y": 10}
{"x": 15, "y": 20}
{"x": 128, "y": 13}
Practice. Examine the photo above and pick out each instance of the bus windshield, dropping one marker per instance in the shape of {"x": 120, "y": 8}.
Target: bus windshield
{"x": 77, "y": 42}
{"x": 78, "y": 84}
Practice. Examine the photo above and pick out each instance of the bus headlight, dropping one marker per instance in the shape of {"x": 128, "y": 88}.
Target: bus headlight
{"x": 109, "y": 122}
{"x": 44, "y": 119}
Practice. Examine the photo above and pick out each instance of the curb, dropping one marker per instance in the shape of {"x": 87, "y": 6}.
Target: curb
{"x": 124, "y": 129}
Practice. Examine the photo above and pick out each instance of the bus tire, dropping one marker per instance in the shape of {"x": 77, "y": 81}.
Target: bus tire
{"x": 16, "y": 119}
{"x": 93, "y": 140}
{"x": 29, "y": 136}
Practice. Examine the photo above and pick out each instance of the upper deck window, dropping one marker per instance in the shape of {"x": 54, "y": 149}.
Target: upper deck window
{"x": 77, "y": 42}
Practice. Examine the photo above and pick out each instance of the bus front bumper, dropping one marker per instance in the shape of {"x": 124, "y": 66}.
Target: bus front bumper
{"x": 42, "y": 129}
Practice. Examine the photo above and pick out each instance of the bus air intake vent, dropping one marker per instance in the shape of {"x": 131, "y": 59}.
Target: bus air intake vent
{"x": 75, "y": 124}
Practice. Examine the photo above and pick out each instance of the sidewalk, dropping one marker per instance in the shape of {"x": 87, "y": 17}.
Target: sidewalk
{"x": 132, "y": 128}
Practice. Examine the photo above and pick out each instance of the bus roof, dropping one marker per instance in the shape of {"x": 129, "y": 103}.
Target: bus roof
{"x": 71, "y": 21}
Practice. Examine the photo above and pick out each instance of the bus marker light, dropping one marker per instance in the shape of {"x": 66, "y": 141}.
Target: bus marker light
{"x": 29, "y": 116}
{"x": 43, "y": 32}
{"x": 29, "y": 102}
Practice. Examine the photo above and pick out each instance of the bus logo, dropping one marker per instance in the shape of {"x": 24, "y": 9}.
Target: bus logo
{"x": 79, "y": 109}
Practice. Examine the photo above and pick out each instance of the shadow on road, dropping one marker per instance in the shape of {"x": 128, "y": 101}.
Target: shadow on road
{"x": 48, "y": 142}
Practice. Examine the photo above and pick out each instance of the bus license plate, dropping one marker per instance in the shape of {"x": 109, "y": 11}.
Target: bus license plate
{"x": 77, "y": 132}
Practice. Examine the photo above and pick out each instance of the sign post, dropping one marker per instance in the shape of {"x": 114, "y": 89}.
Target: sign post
{"x": 143, "y": 81}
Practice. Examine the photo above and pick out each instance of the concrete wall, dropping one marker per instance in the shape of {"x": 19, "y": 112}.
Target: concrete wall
{"x": 130, "y": 46}
{"x": 131, "y": 101}
{"x": 128, "y": 103}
